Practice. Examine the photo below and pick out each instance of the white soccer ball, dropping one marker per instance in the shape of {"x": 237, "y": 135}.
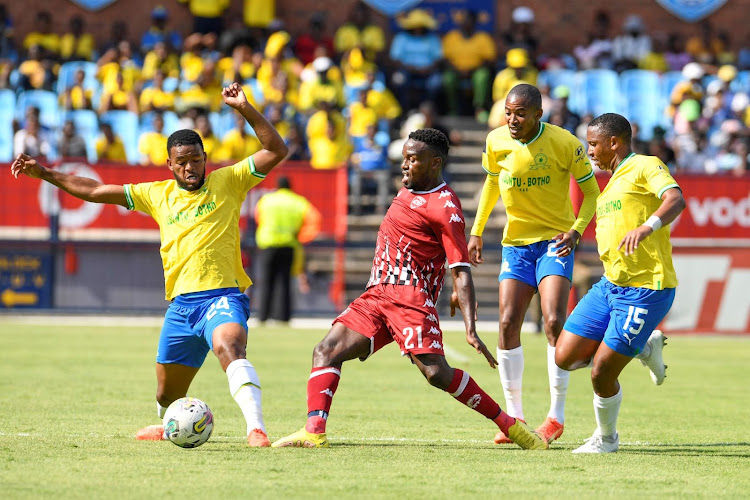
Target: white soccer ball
{"x": 188, "y": 422}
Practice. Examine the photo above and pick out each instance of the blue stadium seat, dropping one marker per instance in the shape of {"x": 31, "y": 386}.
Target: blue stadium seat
{"x": 7, "y": 100}
{"x": 642, "y": 100}
{"x": 6, "y": 140}
{"x": 258, "y": 96}
{"x": 125, "y": 125}
{"x": 598, "y": 90}
{"x": 221, "y": 123}
{"x": 668, "y": 82}
{"x": 45, "y": 100}
{"x": 67, "y": 73}
{"x": 742, "y": 82}
{"x": 553, "y": 78}
{"x": 170, "y": 122}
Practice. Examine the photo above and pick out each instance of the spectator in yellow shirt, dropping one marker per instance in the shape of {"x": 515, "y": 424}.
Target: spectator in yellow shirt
{"x": 205, "y": 94}
{"x": 77, "y": 45}
{"x": 238, "y": 67}
{"x": 258, "y": 14}
{"x": 154, "y": 97}
{"x": 519, "y": 70}
{"x": 278, "y": 56}
{"x": 211, "y": 143}
{"x": 321, "y": 80}
{"x": 153, "y": 145}
{"x": 43, "y": 36}
{"x": 331, "y": 150}
{"x": 470, "y": 55}
{"x": 118, "y": 97}
{"x": 361, "y": 116}
{"x": 35, "y": 72}
{"x": 238, "y": 143}
{"x": 160, "y": 58}
{"x": 110, "y": 147}
{"x": 317, "y": 125}
{"x": 207, "y": 14}
{"x": 77, "y": 96}
{"x": 381, "y": 99}
{"x": 360, "y": 32}
{"x": 118, "y": 60}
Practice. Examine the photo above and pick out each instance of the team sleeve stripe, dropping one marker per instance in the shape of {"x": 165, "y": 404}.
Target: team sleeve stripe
{"x": 490, "y": 173}
{"x": 665, "y": 188}
{"x": 251, "y": 164}
{"x": 335, "y": 371}
{"x": 585, "y": 177}
{"x": 459, "y": 264}
{"x": 129, "y": 197}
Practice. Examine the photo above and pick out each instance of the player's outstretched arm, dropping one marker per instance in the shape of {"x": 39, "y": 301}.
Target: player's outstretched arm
{"x": 80, "y": 187}
{"x": 274, "y": 150}
{"x": 672, "y": 204}
{"x": 463, "y": 289}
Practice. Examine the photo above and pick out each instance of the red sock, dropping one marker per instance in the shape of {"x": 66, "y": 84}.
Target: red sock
{"x": 465, "y": 390}
{"x": 320, "y": 390}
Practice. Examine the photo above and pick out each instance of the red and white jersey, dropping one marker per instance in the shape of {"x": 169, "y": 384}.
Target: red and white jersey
{"x": 419, "y": 232}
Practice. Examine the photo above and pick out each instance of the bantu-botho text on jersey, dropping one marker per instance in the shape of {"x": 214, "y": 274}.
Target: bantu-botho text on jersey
{"x": 200, "y": 235}
{"x": 534, "y": 181}
{"x": 419, "y": 232}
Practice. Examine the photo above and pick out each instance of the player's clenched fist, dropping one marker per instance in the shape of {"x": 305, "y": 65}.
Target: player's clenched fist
{"x": 25, "y": 164}
{"x": 234, "y": 96}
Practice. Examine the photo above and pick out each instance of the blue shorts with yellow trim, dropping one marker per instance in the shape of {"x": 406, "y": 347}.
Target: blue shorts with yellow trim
{"x": 622, "y": 317}
{"x": 531, "y": 263}
{"x": 190, "y": 321}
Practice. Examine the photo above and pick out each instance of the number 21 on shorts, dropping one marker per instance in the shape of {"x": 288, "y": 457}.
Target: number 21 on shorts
{"x": 409, "y": 335}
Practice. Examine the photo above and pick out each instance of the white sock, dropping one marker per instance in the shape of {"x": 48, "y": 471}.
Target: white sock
{"x": 244, "y": 386}
{"x": 160, "y": 410}
{"x": 606, "y": 411}
{"x": 510, "y": 367}
{"x": 558, "y": 386}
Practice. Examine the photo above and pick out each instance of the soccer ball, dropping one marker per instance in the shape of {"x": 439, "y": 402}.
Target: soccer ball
{"x": 188, "y": 422}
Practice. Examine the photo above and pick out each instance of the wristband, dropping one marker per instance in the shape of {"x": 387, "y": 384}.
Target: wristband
{"x": 653, "y": 222}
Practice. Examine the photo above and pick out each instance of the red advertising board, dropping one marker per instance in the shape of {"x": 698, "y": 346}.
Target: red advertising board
{"x": 27, "y": 203}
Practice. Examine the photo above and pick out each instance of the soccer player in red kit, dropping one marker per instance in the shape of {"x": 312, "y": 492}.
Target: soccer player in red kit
{"x": 422, "y": 229}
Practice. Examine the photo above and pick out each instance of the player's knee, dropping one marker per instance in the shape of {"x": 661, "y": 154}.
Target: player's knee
{"x": 553, "y": 325}
{"x": 323, "y": 353}
{"x": 601, "y": 382}
{"x": 228, "y": 350}
{"x": 437, "y": 376}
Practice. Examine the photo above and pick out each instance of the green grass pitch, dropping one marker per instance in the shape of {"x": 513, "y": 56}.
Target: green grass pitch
{"x": 73, "y": 396}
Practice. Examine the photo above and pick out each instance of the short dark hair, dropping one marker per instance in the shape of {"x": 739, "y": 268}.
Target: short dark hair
{"x": 435, "y": 140}
{"x": 184, "y": 137}
{"x": 527, "y": 93}
{"x": 283, "y": 183}
{"x": 613, "y": 125}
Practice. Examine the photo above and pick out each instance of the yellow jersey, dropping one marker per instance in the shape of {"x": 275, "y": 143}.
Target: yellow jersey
{"x": 534, "y": 182}
{"x": 468, "y": 54}
{"x": 200, "y": 235}
{"x": 630, "y": 197}
{"x": 153, "y": 148}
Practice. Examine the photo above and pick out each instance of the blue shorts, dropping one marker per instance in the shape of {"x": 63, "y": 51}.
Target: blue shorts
{"x": 531, "y": 263}
{"x": 191, "y": 318}
{"x": 623, "y": 317}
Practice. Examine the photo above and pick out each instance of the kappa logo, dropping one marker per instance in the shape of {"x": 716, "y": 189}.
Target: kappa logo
{"x": 428, "y": 303}
{"x": 450, "y": 204}
{"x": 434, "y": 331}
{"x": 561, "y": 263}
{"x": 455, "y": 218}
{"x": 443, "y": 194}
{"x": 417, "y": 202}
{"x": 474, "y": 401}
{"x": 327, "y": 392}
{"x": 435, "y": 345}
{"x": 431, "y": 317}
{"x": 505, "y": 268}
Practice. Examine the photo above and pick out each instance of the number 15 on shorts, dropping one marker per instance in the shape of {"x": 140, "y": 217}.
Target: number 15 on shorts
{"x": 634, "y": 318}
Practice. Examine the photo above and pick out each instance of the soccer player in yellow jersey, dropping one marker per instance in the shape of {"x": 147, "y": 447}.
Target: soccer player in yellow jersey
{"x": 530, "y": 163}
{"x": 200, "y": 247}
{"x": 615, "y": 320}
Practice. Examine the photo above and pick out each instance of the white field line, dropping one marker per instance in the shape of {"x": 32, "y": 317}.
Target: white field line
{"x": 373, "y": 439}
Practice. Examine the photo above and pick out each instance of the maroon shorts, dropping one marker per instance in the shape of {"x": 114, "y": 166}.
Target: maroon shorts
{"x": 385, "y": 313}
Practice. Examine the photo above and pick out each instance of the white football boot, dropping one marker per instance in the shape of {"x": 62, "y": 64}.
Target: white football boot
{"x": 654, "y": 361}
{"x": 600, "y": 444}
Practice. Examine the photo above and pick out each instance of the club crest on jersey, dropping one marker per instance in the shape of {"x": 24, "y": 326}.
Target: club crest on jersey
{"x": 417, "y": 202}
{"x": 540, "y": 161}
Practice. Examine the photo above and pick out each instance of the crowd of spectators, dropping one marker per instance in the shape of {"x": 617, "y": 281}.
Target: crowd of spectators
{"x": 338, "y": 96}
